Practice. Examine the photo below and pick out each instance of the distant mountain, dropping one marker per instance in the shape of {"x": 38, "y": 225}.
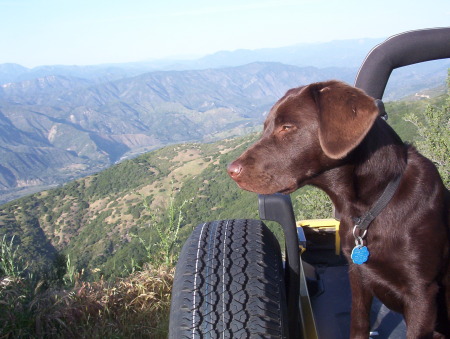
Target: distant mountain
{"x": 98, "y": 220}
{"x": 415, "y": 78}
{"x": 58, "y": 123}
{"x": 11, "y": 72}
{"x": 100, "y": 73}
{"x": 340, "y": 53}
{"x": 60, "y": 127}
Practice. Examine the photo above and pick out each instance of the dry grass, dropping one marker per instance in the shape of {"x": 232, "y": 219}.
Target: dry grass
{"x": 133, "y": 307}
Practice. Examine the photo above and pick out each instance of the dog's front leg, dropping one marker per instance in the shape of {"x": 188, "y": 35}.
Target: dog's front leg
{"x": 420, "y": 313}
{"x": 361, "y": 305}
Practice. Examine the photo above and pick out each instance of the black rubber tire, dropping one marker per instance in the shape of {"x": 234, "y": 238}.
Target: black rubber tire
{"x": 229, "y": 283}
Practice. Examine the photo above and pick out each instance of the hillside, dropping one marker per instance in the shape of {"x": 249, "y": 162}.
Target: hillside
{"x": 57, "y": 128}
{"x": 98, "y": 264}
{"x": 59, "y": 123}
{"x": 98, "y": 220}
{"x": 93, "y": 219}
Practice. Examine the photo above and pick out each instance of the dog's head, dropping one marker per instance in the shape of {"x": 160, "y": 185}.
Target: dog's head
{"x": 309, "y": 130}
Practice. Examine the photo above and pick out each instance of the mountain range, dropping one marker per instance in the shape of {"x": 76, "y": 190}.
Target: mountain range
{"x": 343, "y": 53}
{"x": 58, "y": 123}
{"x": 106, "y": 221}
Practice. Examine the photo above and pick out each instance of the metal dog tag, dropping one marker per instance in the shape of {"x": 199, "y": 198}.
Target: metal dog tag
{"x": 360, "y": 254}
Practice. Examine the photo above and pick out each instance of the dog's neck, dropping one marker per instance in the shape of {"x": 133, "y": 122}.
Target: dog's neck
{"x": 360, "y": 180}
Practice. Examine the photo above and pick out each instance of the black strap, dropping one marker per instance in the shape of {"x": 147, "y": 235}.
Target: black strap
{"x": 382, "y": 111}
{"x": 364, "y": 221}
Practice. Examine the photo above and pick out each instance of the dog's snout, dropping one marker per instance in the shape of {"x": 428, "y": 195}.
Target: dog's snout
{"x": 234, "y": 169}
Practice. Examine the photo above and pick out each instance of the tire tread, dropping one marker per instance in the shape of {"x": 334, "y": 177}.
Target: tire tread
{"x": 229, "y": 283}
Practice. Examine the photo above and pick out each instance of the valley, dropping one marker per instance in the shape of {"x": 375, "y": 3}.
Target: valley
{"x": 98, "y": 220}
{"x": 60, "y": 123}
{"x": 100, "y": 160}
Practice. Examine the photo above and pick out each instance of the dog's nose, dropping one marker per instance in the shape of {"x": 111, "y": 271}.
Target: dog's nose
{"x": 234, "y": 169}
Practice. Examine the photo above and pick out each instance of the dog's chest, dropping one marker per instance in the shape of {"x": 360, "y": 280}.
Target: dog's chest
{"x": 383, "y": 272}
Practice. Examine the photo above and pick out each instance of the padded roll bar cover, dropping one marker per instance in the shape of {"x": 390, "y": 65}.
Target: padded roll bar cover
{"x": 401, "y": 50}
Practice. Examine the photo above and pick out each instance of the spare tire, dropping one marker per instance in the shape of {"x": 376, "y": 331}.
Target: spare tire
{"x": 229, "y": 283}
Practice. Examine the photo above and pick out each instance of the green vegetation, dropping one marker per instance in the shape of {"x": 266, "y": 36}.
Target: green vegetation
{"x": 433, "y": 126}
{"x": 164, "y": 249}
{"x": 11, "y": 264}
{"x": 313, "y": 203}
{"x": 107, "y": 222}
{"x": 113, "y": 221}
{"x": 94, "y": 257}
{"x": 64, "y": 305}
{"x": 133, "y": 307}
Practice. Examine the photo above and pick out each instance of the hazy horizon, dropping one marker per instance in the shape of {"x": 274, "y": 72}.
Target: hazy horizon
{"x": 82, "y": 32}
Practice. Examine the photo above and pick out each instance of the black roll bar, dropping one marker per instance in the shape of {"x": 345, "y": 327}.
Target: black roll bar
{"x": 401, "y": 50}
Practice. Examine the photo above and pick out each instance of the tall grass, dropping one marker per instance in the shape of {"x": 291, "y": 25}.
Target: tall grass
{"x": 133, "y": 307}
{"x": 164, "y": 248}
{"x": 10, "y": 263}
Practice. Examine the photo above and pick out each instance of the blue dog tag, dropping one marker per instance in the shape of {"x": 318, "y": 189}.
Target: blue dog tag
{"x": 360, "y": 254}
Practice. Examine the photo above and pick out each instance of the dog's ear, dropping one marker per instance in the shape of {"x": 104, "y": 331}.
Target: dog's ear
{"x": 346, "y": 114}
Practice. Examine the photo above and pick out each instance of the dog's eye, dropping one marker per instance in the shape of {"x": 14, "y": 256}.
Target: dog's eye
{"x": 286, "y": 128}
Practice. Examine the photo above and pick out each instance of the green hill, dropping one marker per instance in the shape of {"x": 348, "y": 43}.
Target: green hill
{"x": 98, "y": 220}
{"x": 101, "y": 221}
{"x": 61, "y": 123}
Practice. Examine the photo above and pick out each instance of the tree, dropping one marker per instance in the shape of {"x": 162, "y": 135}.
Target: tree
{"x": 434, "y": 130}
{"x": 313, "y": 203}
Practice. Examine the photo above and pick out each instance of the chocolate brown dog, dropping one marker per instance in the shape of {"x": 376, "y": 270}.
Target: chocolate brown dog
{"x": 329, "y": 135}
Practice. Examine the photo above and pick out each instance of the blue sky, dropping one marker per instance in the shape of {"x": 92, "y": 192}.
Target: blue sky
{"x": 83, "y": 32}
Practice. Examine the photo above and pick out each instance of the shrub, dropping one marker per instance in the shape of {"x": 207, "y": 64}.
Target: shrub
{"x": 434, "y": 128}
